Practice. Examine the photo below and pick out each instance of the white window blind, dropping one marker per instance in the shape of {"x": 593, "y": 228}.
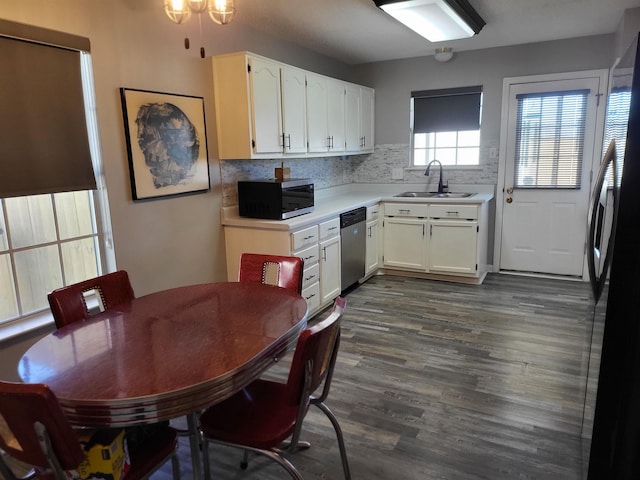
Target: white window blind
{"x": 550, "y": 139}
{"x": 618, "y": 107}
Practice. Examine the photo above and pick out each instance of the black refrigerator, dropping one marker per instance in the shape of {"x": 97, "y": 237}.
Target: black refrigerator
{"x": 612, "y": 431}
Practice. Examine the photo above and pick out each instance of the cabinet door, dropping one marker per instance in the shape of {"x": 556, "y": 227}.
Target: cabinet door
{"x": 405, "y": 243}
{"x": 367, "y": 101}
{"x": 317, "y": 114}
{"x": 453, "y": 246}
{"x": 372, "y": 247}
{"x": 294, "y": 110}
{"x": 266, "y": 104}
{"x": 336, "y": 115}
{"x": 329, "y": 269}
{"x": 352, "y": 118}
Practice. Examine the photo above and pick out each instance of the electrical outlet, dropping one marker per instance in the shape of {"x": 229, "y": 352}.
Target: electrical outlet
{"x": 397, "y": 173}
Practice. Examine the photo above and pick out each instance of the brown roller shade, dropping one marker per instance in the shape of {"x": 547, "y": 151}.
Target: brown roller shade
{"x": 44, "y": 146}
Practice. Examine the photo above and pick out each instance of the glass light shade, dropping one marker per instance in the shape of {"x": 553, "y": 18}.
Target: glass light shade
{"x": 198, "y": 6}
{"x": 178, "y": 11}
{"x": 221, "y": 11}
{"x": 435, "y": 20}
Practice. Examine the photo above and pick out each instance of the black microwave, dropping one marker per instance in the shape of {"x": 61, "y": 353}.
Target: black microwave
{"x": 275, "y": 199}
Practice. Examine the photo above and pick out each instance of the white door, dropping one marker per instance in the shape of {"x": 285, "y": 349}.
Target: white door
{"x": 546, "y": 192}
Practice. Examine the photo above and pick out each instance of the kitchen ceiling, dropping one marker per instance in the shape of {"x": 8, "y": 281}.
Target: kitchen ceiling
{"x": 356, "y": 31}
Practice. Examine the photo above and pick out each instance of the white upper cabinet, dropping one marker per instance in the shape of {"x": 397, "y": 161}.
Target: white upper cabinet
{"x": 335, "y": 114}
{"x": 317, "y": 113}
{"x": 266, "y": 104}
{"x": 294, "y": 110}
{"x": 367, "y": 105}
{"x": 267, "y": 109}
{"x": 359, "y": 112}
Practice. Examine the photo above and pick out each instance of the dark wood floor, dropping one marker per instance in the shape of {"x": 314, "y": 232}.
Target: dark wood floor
{"x": 437, "y": 380}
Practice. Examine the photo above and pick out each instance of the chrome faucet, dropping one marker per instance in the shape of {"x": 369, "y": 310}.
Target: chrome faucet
{"x": 441, "y": 186}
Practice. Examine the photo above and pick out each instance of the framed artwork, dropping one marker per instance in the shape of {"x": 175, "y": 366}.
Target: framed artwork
{"x": 166, "y": 143}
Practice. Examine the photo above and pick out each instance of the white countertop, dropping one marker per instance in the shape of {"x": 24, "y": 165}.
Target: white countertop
{"x": 330, "y": 206}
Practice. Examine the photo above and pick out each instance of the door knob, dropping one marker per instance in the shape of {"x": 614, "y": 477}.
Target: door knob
{"x": 509, "y": 190}
{"x": 509, "y": 199}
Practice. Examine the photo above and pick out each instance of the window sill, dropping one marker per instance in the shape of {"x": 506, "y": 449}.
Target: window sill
{"x": 445, "y": 167}
{"x": 27, "y": 325}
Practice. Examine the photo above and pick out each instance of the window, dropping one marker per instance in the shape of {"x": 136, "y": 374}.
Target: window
{"x": 51, "y": 207}
{"x": 446, "y": 126}
{"x": 550, "y": 134}
{"x": 46, "y": 241}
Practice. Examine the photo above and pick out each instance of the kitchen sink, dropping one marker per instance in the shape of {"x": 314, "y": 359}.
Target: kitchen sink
{"x": 433, "y": 195}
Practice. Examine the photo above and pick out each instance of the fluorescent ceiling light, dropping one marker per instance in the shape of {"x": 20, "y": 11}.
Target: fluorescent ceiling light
{"x": 435, "y": 20}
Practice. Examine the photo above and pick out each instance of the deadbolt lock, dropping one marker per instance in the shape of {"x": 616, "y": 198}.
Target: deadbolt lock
{"x": 509, "y": 199}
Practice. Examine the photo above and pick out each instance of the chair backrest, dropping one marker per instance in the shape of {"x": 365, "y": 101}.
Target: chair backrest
{"x": 282, "y": 271}
{"x": 69, "y": 304}
{"x": 28, "y": 414}
{"x": 315, "y": 357}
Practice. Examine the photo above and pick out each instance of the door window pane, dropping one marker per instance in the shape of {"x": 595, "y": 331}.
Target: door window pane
{"x": 549, "y": 139}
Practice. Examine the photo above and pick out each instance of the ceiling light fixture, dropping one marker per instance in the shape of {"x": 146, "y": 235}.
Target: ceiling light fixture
{"x": 443, "y": 54}
{"x": 435, "y": 20}
{"x": 180, "y": 11}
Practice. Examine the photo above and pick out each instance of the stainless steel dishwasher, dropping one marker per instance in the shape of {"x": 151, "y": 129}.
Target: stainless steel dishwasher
{"x": 352, "y": 246}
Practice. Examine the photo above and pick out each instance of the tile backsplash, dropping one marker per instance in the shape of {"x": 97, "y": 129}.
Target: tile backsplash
{"x": 328, "y": 172}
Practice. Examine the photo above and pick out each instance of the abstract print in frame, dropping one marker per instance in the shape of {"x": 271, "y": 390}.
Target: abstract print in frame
{"x": 166, "y": 143}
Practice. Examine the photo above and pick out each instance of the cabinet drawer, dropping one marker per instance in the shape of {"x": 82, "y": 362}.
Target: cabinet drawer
{"x": 309, "y": 255}
{"x": 463, "y": 212}
{"x": 312, "y": 295}
{"x": 330, "y": 228}
{"x": 406, "y": 209}
{"x": 372, "y": 212}
{"x": 310, "y": 275}
{"x": 304, "y": 237}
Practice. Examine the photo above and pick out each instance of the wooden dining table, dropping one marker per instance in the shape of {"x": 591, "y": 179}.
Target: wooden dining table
{"x": 166, "y": 355}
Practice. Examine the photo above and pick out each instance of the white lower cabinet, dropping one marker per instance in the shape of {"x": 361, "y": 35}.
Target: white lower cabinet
{"x": 436, "y": 239}
{"x": 372, "y": 244}
{"x": 329, "y": 260}
{"x": 453, "y": 246}
{"x": 405, "y": 245}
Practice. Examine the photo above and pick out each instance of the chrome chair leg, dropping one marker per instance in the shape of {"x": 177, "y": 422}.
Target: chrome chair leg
{"x": 336, "y": 427}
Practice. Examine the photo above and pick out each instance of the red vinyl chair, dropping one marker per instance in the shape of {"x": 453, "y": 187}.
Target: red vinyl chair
{"x": 265, "y": 414}
{"x": 36, "y": 432}
{"x": 283, "y": 271}
{"x": 68, "y": 304}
